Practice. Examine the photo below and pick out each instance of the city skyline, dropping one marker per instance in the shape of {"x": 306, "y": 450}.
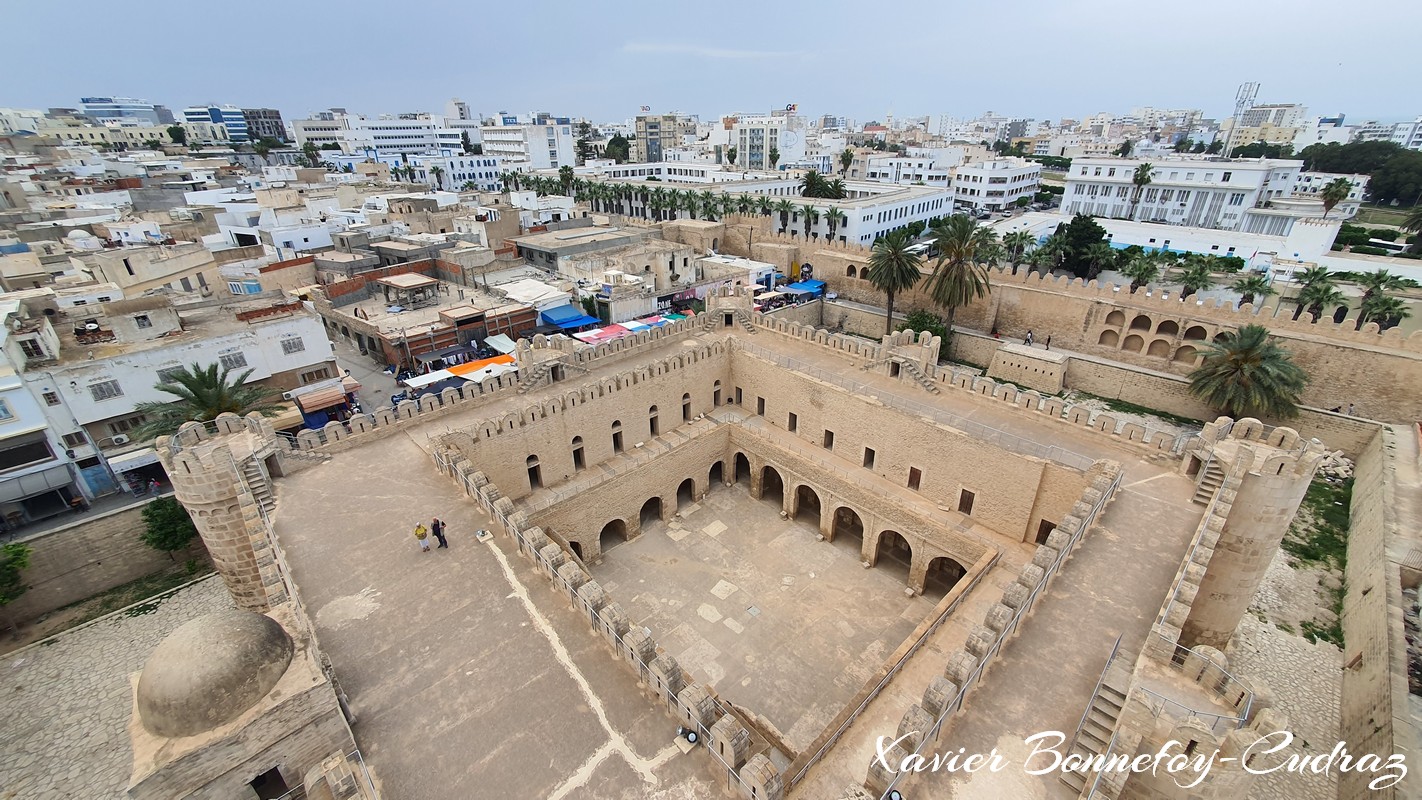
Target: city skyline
{"x": 592, "y": 68}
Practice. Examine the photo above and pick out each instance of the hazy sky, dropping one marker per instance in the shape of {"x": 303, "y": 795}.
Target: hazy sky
{"x": 1029, "y": 58}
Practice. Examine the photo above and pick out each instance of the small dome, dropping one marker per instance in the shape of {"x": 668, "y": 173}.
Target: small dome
{"x": 210, "y": 670}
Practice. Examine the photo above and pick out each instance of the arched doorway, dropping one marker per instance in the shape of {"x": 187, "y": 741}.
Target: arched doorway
{"x": 535, "y": 474}
{"x": 612, "y": 534}
{"x": 716, "y": 394}
{"x": 686, "y": 408}
{"x": 943, "y": 574}
{"x": 717, "y": 474}
{"x": 848, "y": 531}
{"x": 894, "y": 552}
{"x": 807, "y": 505}
{"x": 651, "y": 511}
{"x": 685, "y": 493}
{"x": 652, "y": 420}
{"x": 577, "y": 549}
{"x": 617, "y": 436}
{"x": 772, "y": 488}
{"x": 743, "y": 468}
{"x": 579, "y": 463}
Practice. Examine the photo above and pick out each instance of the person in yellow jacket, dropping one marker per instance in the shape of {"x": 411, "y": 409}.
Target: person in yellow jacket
{"x": 422, "y": 535}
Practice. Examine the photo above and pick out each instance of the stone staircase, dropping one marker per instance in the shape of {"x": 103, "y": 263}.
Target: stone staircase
{"x": 1210, "y": 482}
{"x": 922, "y": 380}
{"x": 1094, "y": 735}
{"x": 712, "y": 319}
{"x": 259, "y": 484}
{"x": 534, "y": 377}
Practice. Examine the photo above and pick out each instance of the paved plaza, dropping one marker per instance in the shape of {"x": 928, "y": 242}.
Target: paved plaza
{"x": 468, "y": 676}
{"x": 779, "y": 623}
{"x": 67, "y": 702}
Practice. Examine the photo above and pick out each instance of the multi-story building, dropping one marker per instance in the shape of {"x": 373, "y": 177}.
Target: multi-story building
{"x": 892, "y": 168}
{"x": 1280, "y": 115}
{"x": 538, "y": 145}
{"x": 1324, "y": 130}
{"x": 1249, "y": 195}
{"x": 657, "y": 133}
{"x": 230, "y": 117}
{"x": 1374, "y": 131}
{"x": 1309, "y": 184}
{"x": 264, "y": 123}
{"x": 125, "y": 111}
{"x": 358, "y": 135}
{"x": 995, "y": 185}
{"x": 13, "y": 120}
{"x": 1408, "y": 134}
{"x": 757, "y": 137}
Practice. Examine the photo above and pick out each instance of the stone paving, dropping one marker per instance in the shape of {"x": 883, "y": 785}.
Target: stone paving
{"x": 778, "y": 622}
{"x": 67, "y": 702}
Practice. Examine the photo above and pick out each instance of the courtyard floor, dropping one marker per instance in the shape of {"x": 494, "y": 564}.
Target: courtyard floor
{"x": 779, "y": 623}
{"x": 468, "y": 676}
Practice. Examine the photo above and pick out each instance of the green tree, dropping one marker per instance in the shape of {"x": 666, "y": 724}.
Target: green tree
{"x": 1195, "y": 278}
{"x": 1098, "y": 256}
{"x": 774, "y": 157}
{"x": 784, "y": 208}
{"x": 959, "y": 275}
{"x": 1317, "y": 296}
{"x": 203, "y": 393}
{"x": 846, "y": 157}
{"x": 1077, "y": 237}
{"x": 1124, "y": 151}
{"x": 893, "y": 269}
{"x": 1183, "y": 146}
{"x": 466, "y": 143}
{"x": 437, "y": 172}
{"x": 1263, "y": 150}
{"x": 312, "y": 152}
{"x": 1215, "y": 147}
{"x": 731, "y": 154}
{"x": 565, "y": 178}
{"x": 1375, "y": 283}
{"x": 833, "y": 219}
{"x": 1414, "y": 223}
{"x": 265, "y": 145}
{"x": 1387, "y": 311}
{"x": 1140, "y": 179}
{"x": 1335, "y": 192}
{"x": 153, "y": 144}
{"x": 1252, "y": 286}
{"x": 14, "y": 558}
{"x": 1018, "y": 244}
{"x": 1247, "y": 374}
{"x": 764, "y": 206}
{"x": 168, "y": 526}
{"x": 618, "y": 149}
{"x": 1141, "y": 270}
{"x": 1200, "y": 147}
{"x": 178, "y": 134}
{"x": 809, "y": 216}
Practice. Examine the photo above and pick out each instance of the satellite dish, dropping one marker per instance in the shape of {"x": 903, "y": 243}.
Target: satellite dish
{"x": 91, "y": 326}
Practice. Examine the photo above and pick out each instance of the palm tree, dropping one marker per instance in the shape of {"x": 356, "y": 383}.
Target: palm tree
{"x": 783, "y": 207}
{"x": 1386, "y": 310}
{"x": 812, "y": 185}
{"x": 846, "y": 157}
{"x": 959, "y": 276}
{"x": 1316, "y": 296}
{"x": 203, "y": 393}
{"x": 834, "y": 218}
{"x": 1098, "y": 256}
{"x": 731, "y": 155}
{"x": 1334, "y": 192}
{"x": 1414, "y": 223}
{"x": 774, "y": 157}
{"x": 745, "y": 204}
{"x": 764, "y": 206}
{"x": 1375, "y": 283}
{"x": 1247, "y": 374}
{"x": 1196, "y": 277}
{"x": 656, "y": 204}
{"x": 1252, "y": 286}
{"x": 1140, "y": 178}
{"x": 710, "y": 204}
{"x": 1049, "y": 254}
{"x": 1018, "y": 244}
{"x": 1141, "y": 270}
{"x": 690, "y": 201}
{"x": 835, "y": 189}
{"x": 730, "y": 205}
{"x": 811, "y": 216}
{"x": 438, "y": 173}
{"x": 893, "y": 269}
{"x": 565, "y": 177}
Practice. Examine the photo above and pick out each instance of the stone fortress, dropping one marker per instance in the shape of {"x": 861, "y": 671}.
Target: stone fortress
{"x": 985, "y": 501}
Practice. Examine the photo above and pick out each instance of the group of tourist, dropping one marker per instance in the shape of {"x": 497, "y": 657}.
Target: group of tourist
{"x": 422, "y": 534}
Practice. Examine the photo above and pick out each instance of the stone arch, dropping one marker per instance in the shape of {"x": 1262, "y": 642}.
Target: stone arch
{"x": 1133, "y": 343}
{"x": 686, "y": 407}
{"x": 1159, "y": 348}
{"x": 1186, "y": 354}
{"x": 1168, "y": 328}
{"x": 652, "y": 426}
{"x": 535, "y": 472}
{"x": 942, "y": 574}
{"x": 715, "y": 475}
{"x": 576, "y": 548}
{"x": 807, "y": 504}
{"x": 685, "y": 493}
{"x": 847, "y": 530}
{"x": 1219, "y": 337}
{"x": 616, "y": 530}
{"x": 742, "y": 468}
{"x": 651, "y": 511}
{"x": 1109, "y": 338}
{"x": 1141, "y": 323}
{"x": 772, "y": 486}
{"x": 892, "y": 549}
{"x": 1195, "y": 333}
{"x": 617, "y": 442}
{"x": 851, "y": 272}
{"x": 579, "y": 460}
{"x": 1117, "y": 318}
{"x": 715, "y": 242}
{"x": 716, "y": 394}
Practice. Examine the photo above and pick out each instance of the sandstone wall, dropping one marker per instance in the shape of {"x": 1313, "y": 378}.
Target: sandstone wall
{"x": 94, "y": 554}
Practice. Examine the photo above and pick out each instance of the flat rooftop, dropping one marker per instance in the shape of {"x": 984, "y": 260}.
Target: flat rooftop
{"x": 553, "y": 240}
{"x": 420, "y": 321}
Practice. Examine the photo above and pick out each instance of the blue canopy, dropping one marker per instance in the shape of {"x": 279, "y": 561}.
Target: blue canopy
{"x": 812, "y": 287}
{"x": 566, "y": 317}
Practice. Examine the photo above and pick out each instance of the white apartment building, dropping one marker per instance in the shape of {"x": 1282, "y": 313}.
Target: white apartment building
{"x": 754, "y": 137}
{"x": 1375, "y": 131}
{"x": 359, "y": 135}
{"x": 1309, "y": 184}
{"x": 1279, "y": 115}
{"x": 38, "y": 478}
{"x": 995, "y": 185}
{"x": 1324, "y": 130}
{"x": 1408, "y": 134}
{"x": 1252, "y": 195}
{"x": 545, "y": 146}
{"x": 666, "y": 171}
{"x": 890, "y": 168}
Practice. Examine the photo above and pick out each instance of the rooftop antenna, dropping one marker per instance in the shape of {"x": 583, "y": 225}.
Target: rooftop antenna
{"x": 1243, "y": 101}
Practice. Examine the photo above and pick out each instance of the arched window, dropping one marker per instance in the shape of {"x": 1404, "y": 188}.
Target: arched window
{"x": 616, "y": 436}
{"x": 686, "y": 408}
{"x": 578, "y": 461}
{"x": 652, "y": 420}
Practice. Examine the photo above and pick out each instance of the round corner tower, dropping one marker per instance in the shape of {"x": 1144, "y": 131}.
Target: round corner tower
{"x": 1262, "y": 477}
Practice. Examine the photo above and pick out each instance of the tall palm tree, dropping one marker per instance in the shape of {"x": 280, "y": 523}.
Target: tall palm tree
{"x": 1386, "y": 310}
{"x": 1375, "y": 283}
{"x": 1247, "y": 374}
{"x": 893, "y": 269}
{"x": 202, "y": 393}
{"x": 1141, "y": 270}
{"x": 774, "y": 157}
{"x": 1140, "y": 179}
{"x": 810, "y": 217}
{"x": 690, "y": 201}
{"x": 846, "y": 157}
{"x": 729, "y": 205}
{"x": 835, "y": 189}
{"x": 833, "y": 219}
{"x": 745, "y": 204}
{"x": 1049, "y": 254}
{"x": 657, "y": 203}
{"x": 1252, "y": 286}
{"x": 1333, "y": 193}
{"x": 565, "y": 177}
{"x": 764, "y": 206}
{"x": 1098, "y": 256}
{"x": 437, "y": 172}
{"x": 1018, "y": 244}
{"x": 1317, "y": 296}
{"x": 1195, "y": 278}
{"x": 959, "y": 276}
{"x": 783, "y": 207}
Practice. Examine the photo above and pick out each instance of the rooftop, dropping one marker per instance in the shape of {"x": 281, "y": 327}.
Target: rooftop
{"x": 426, "y": 319}
{"x": 554, "y": 240}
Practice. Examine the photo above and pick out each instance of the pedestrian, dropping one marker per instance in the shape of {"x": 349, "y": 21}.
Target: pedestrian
{"x": 995, "y": 334}
{"x": 437, "y": 528}
{"x": 1350, "y": 409}
{"x": 422, "y": 535}
{"x": 1028, "y": 340}
{"x": 1049, "y": 341}
{"x": 153, "y": 486}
